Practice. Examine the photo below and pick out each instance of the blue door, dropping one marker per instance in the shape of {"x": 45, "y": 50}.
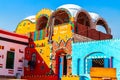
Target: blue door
{"x": 106, "y": 62}
{"x": 60, "y": 66}
{"x": 89, "y": 65}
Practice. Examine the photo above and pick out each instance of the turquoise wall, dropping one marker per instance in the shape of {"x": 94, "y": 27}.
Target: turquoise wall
{"x": 82, "y": 52}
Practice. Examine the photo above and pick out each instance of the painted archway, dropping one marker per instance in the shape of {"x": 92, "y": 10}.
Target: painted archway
{"x": 103, "y": 23}
{"x": 98, "y": 20}
{"x": 83, "y": 17}
{"x": 96, "y": 59}
{"x": 61, "y": 53}
{"x": 59, "y": 17}
{"x": 82, "y": 22}
{"x": 42, "y": 18}
{"x": 41, "y": 22}
{"x": 61, "y": 62}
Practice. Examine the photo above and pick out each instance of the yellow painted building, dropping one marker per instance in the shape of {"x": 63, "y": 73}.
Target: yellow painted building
{"x": 26, "y": 26}
{"x": 40, "y": 38}
{"x": 52, "y": 33}
{"x": 43, "y": 48}
{"x": 62, "y": 32}
{"x": 70, "y": 77}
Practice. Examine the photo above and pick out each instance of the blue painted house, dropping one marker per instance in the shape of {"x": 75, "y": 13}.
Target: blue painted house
{"x": 103, "y": 53}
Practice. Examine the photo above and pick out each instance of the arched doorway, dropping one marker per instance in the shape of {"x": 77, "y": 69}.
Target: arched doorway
{"x": 61, "y": 63}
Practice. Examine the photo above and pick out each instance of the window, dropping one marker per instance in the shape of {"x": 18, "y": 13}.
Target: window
{"x": 34, "y": 57}
{"x": 98, "y": 62}
{"x": 32, "y": 62}
{"x": 10, "y": 60}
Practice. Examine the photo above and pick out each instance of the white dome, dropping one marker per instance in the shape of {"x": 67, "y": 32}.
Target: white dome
{"x": 31, "y": 18}
{"x": 94, "y": 16}
{"x": 72, "y": 8}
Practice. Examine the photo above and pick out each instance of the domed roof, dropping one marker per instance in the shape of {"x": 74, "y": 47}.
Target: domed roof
{"x": 72, "y": 8}
{"x": 31, "y": 18}
{"x": 94, "y": 16}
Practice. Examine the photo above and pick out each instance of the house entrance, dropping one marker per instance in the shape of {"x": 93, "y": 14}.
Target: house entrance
{"x": 62, "y": 65}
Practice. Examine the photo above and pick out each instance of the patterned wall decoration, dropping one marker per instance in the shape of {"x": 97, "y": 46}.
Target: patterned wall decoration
{"x": 57, "y": 50}
{"x": 52, "y": 41}
{"x": 62, "y": 32}
{"x": 43, "y": 48}
{"x": 38, "y": 35}
{"x": 44, "y": 11}
{"x": 25, "y": 27}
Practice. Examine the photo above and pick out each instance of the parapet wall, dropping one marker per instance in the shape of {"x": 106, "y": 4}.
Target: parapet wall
{"x": 41, "y": 77}
{"x": 70, "y": 77}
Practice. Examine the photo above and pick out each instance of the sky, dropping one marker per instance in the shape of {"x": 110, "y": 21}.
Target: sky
{"x": 14, "y": 11}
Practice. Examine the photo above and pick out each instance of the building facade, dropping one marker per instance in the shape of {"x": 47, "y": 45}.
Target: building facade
{"x": 100, "y": 54}
{"x": 12, "y": 51}
{"x": 51, "y": 45}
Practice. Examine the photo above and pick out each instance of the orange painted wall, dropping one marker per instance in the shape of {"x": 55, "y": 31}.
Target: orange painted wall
{"x": 103, "y": 73}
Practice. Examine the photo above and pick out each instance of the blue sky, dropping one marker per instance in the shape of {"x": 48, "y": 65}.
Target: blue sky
{"x": 13, "y": 11}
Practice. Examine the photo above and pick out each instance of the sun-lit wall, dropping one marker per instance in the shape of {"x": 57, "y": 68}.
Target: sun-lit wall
{"x": 103, "y": 73}
{"x": 25, "y": 27}
{"x": 70, "y": 77}
{"x": 53, "y": 36}
{"x": 12, "y": 53}
{"x": 84, "y": 52}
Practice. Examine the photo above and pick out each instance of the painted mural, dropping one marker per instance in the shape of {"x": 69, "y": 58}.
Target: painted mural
{"x": 26, "y": 26}
{"x": 65, "y": 44}
{"x": 55, "y": 33}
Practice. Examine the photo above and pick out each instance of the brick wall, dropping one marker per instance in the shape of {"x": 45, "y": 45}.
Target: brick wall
{"x": 64, "y": 47}
{"x": 80, "y": 38}
{"x": 91, "y": 33}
